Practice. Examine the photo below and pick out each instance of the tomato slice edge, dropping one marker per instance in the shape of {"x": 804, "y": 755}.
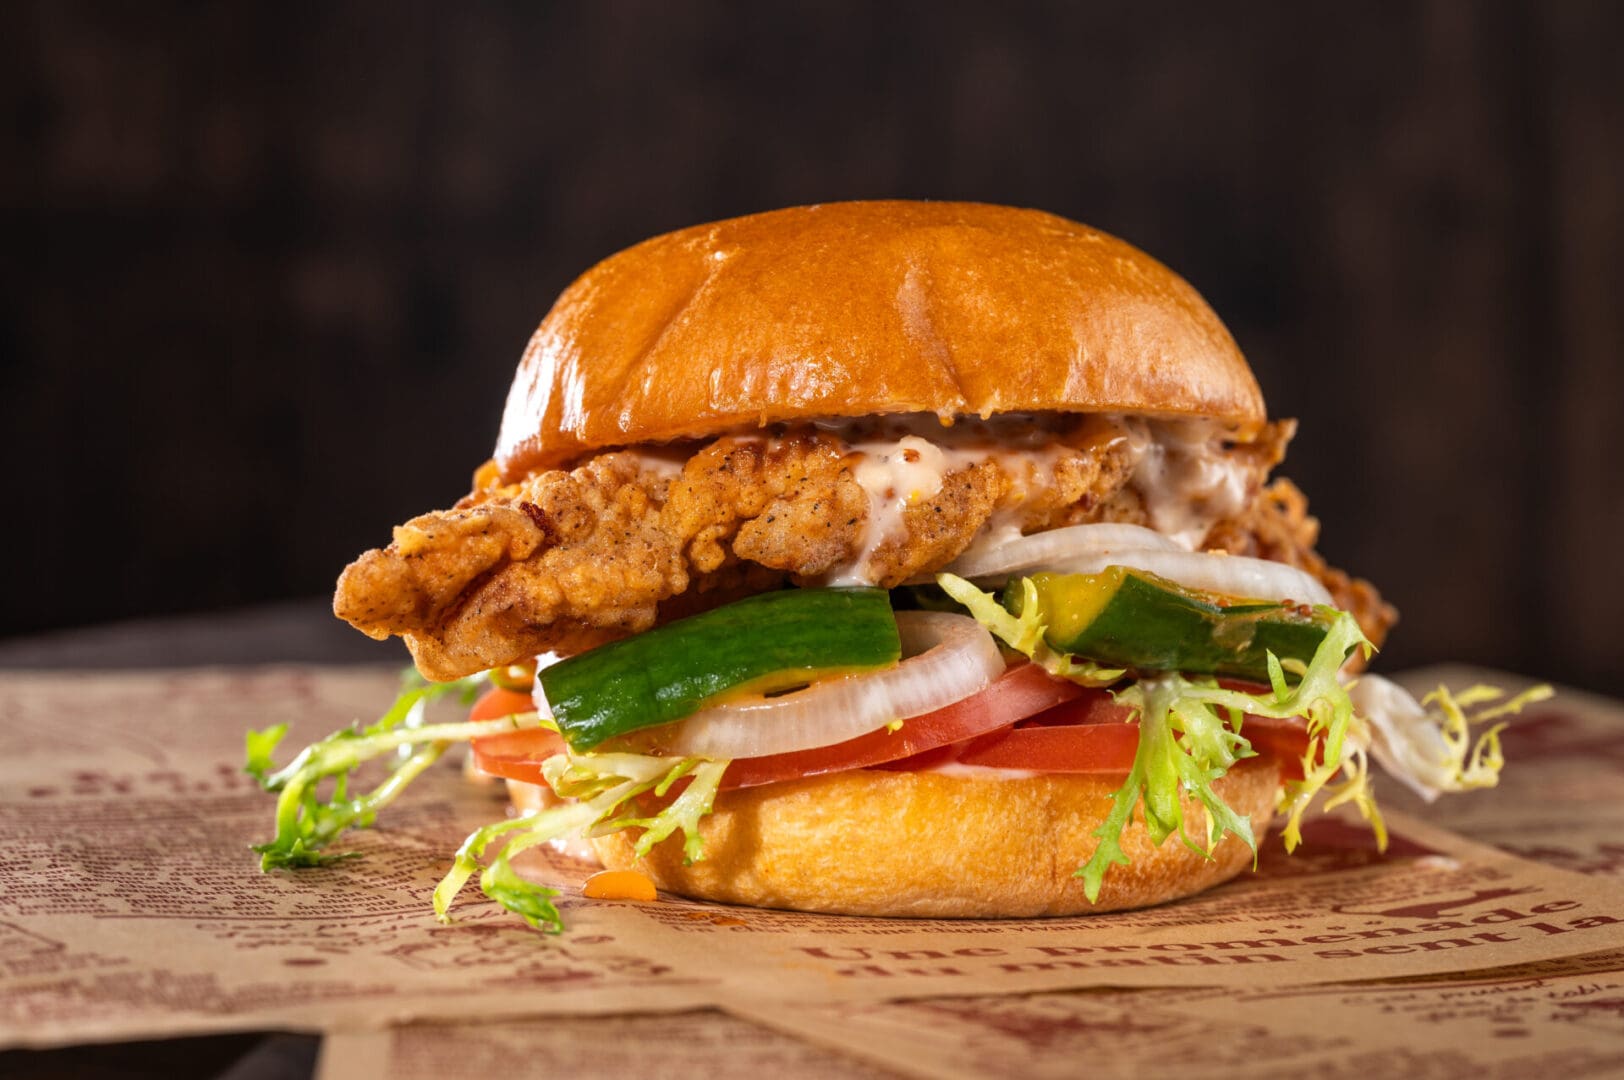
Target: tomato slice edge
{"x": 1022, "y": 691}
{"x": 1063, "y": 729}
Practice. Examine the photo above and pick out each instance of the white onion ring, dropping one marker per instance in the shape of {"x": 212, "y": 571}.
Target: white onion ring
{"x": 1229, "y": 575}
{"x": 1043, "y": 550}
{"x": 947, "y": 658}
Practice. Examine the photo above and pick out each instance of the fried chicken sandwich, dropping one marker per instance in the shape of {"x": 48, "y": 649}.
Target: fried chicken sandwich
{"x": 894, "y": 558}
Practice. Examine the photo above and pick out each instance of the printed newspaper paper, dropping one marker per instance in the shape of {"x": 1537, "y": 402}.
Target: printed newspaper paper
{"x": 130, "y": 906}
{"x": 1558, "y": 1018}
{"x": 1559, "y": 803}
{"x": 704, "y": 1043}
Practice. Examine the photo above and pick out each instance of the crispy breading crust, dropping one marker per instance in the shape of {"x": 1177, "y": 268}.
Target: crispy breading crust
{"x": 568, "y": 560}
{"x": 1276, "y": 525}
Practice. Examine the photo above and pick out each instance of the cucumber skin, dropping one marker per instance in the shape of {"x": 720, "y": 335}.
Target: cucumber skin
{"x": 667, "y": 673}
{"x": 1150, "y": 625}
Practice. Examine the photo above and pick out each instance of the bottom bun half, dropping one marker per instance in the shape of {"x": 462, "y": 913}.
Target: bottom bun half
{"x": 923, "y": 844}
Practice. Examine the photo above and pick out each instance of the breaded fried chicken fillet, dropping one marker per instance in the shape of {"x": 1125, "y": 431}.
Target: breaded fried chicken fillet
{"x": 566, "y": 560}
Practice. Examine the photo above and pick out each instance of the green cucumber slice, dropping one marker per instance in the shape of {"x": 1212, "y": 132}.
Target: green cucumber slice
{"x": 769, "y": 642}
{"x": 1131, "y": 618}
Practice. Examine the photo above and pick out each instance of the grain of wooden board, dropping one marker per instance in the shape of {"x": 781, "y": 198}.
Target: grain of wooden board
{"x": 130, "y": 906}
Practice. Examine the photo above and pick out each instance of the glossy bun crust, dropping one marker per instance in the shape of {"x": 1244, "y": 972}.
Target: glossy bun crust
{"x": 861, "y": 308}
{"x": 925, "y": 844}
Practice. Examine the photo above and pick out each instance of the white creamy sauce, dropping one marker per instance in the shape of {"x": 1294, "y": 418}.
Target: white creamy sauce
{"x": 899, "y": 473}
{"x": 1025, "y": 431}
{"x": 895, "y": 475}
{"x": 1186, "y": 480}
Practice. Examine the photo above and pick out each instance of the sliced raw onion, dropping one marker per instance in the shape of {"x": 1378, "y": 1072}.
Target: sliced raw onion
{"x": 948, "y": 658}
{"x": 1041, "y": 551}
{"x": 1229, "y": 575}
{"x": 1023, "y": 691}
{"x": 1088, "y": 549}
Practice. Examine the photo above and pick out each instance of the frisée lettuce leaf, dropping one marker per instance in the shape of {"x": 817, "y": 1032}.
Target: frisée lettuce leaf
{"x": 1024, "y": 632}
{"x": 603, "y": 787}
{"x": 1190, "y": 734}
{"x": 307, "y": 822}
{"x": 1183, "y": 746}
{"x": 1432, "y": 749}
{"x": 1191, "y": 731}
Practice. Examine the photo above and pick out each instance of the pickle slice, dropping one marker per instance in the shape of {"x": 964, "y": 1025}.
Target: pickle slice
{"x": 1134, "y": 619}
{"x": 762, "y": 644}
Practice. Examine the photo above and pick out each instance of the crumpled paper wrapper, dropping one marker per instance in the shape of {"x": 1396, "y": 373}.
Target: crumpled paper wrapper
{"x": 708, "y": 1043}
{"x": 1563, "y": 1018}
{"x": 130, "y": 906}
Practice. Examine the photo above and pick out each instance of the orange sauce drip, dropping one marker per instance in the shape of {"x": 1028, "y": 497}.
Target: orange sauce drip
{"x": 618, "y": 885}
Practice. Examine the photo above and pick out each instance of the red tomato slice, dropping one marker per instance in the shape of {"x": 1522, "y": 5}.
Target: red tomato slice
{"x": 1064, "y": 729}
{"x": 516, "y": 755}
{"x": 1021, "y": 692}
{"x": 1077, "y": 748}
{"x": 1090, "y": 707}
{"x": 1090, "y": 736}
{"x": 1286, "y": 740}
{"x": 497, "y": 702}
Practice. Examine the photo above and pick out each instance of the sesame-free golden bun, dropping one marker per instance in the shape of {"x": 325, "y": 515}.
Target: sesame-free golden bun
{"x": 929, "y": 844}
{"x": 864, "y": 308}
{"x": 872, "y": 308}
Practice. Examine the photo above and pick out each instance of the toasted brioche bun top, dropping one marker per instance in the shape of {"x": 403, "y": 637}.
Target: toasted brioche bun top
{"x": 862, "y": 308}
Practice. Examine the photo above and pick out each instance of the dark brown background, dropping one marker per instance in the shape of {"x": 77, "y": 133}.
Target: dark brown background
{"x": 267, "y": 270}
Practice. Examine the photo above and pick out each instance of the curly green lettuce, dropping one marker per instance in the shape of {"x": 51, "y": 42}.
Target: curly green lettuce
{"x": 1024, "y": 632}
{"x": 603, "y": 785}
{"x": 1432, "y": 750}
{"x": 1190, "y": 735}
{"x": 307, "y": 822}
{"x": 1181, "y": 748}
